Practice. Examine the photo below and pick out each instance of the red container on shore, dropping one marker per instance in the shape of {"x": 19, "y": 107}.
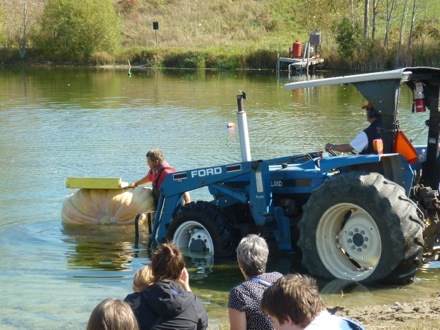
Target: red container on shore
{"x": 297, "y": 49}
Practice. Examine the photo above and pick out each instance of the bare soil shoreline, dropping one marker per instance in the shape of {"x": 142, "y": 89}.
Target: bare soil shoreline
{"x": 421, "y": 314}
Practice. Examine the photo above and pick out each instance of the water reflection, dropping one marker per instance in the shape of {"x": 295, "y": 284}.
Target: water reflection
{"x": 342, "y": 287}
{"x": 112, "y": 248}
{"x": 107, "y": 248}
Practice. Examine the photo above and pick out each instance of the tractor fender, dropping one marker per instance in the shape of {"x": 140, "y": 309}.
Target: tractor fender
{"x": 330, "y": 163}
{"x": 394, "y": 167}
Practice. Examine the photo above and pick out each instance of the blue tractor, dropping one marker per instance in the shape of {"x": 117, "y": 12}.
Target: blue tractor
{"x": 365, "y": 218}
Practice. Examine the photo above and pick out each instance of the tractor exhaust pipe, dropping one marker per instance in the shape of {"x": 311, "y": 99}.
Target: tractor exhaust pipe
{"x": 243, "y": 129}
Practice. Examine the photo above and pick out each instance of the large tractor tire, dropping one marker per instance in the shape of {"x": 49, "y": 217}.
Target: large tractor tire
{"x": 361, "y": 227}
{"x": 201, "y": 229}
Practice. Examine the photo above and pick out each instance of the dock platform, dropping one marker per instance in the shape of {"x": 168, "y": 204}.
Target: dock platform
{"x": 298, "y": 64}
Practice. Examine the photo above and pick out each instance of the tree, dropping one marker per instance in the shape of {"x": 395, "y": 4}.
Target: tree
{"x": 19, "y": 19}
{"x": 75, "y": 30}
{"x": 348, "y": 38}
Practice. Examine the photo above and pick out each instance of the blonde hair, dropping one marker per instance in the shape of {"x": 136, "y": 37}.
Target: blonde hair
{"x": 142, "y": 279}
{"x": 112, "y": 314}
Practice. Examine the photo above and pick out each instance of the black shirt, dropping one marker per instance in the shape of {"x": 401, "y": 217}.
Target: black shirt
{"x": 166, "y": 305}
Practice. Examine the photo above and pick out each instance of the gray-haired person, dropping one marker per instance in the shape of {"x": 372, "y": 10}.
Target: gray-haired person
{"x": 244, "y": 299}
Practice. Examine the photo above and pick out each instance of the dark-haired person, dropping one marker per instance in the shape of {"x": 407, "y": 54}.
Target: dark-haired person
{"x": 168, "y": 303}
{"x": 159, "y": 168}
{"x": 363, "y": 142}
{"x": 293, "y": 302}
{"x": 244, "y": 299}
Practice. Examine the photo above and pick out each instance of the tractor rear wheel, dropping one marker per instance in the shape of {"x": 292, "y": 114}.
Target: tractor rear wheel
{"x": 361, "y": 227}
{"x": 201, "y": 229}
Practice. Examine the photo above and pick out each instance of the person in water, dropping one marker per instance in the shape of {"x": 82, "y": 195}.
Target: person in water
{"x": 159, "y": 168}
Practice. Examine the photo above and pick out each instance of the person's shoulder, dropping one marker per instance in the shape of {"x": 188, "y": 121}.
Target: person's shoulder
{"x": 276, "y": 274}
{"x": 239, "y": 288}
{"x": 167, "y": 289}
{"x": 133, "y": 299}
{"x": 272, "y": 277}
{"x": 197, "y": 301}
{"x": 132, "y": 296}
{"x": 325, "y": 320}
{"x": 165, "y": 286}
{"x": 350, "y": 324}
{"x": 167, "y": 167}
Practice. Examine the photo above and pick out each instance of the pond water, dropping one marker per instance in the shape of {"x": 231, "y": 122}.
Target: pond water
{"x": 62, "y": 122}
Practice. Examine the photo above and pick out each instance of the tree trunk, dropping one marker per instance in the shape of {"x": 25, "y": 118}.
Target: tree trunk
{"x": 22, "y": 38}
{"x": 390, "y": 10}
{"x": 373, "y": 28}
{"x": 402, "y": 24}
{"x": 366, "y": 18}
{"x": 411, "y": 31}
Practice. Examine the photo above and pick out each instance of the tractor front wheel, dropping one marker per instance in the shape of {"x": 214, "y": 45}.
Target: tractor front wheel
{"x": 201, "y": 229}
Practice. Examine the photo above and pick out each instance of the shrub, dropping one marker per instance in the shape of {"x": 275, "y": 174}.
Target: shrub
{"x": 348, "y": 38}
{"x": 101, "y": 58}
{"x": 90, "y": 26}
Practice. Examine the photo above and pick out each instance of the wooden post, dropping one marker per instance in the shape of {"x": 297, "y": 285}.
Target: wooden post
{"x": 308, "y": 56}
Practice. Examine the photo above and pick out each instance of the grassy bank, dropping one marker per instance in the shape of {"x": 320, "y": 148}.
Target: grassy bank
{"x": 247, "y": 34}
{"x": 232, "y": 58}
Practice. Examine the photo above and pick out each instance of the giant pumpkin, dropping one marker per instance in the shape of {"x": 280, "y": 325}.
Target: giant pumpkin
{"x": 106, "y": 206}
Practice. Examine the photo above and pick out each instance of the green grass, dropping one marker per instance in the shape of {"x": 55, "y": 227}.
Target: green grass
{"x": 224, "y": 34}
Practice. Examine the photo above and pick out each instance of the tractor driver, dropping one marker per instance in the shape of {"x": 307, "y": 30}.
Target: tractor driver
{"x": 363, "y": 142}
{"x": 159, "y": 168}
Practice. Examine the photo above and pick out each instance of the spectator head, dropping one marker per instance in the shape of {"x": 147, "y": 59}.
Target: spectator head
{"x": 252, "y": 254}
{"x": 155, "y": 155}
{"x": 142, "y": 279}
{"x": 167, "y": 263}
{"x": 293, "y": 299}
{"x": 112, "y": 314}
